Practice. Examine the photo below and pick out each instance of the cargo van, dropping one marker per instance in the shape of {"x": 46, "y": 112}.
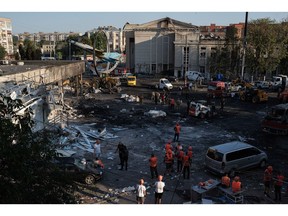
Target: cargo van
{"x": 232, "y": 157}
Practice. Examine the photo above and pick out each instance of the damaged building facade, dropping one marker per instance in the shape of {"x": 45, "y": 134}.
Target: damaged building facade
{"x": 39, "y": 85}
{"x": 168, "y": 45}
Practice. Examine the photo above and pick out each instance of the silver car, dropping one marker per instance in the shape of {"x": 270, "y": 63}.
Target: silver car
{"x": 234, "y": 156}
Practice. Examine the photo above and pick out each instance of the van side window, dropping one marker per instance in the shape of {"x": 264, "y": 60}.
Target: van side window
{"x": 252, "y": 151}
{"x": 215, "y": 155}
{"x": 242, "y": 154}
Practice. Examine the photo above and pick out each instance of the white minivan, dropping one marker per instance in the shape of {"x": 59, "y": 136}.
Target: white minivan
{"x": 234, "y": 156}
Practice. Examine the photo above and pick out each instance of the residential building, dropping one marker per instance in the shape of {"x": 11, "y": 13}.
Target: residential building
{"x": 37, "y": 37}
{"x": 115, "y": 37}
{"x": 6, "y": 39}
{"x": 48, "y": 48}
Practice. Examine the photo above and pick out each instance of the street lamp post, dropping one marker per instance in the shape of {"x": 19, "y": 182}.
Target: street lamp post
{"x": 244, "y": 47}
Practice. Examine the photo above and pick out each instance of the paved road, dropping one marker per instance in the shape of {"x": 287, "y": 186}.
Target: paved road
{"x": 144, "y": 135}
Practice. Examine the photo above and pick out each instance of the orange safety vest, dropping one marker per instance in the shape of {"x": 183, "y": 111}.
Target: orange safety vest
{"x": 168, "y": 146}
{"x": 225, "y": 181}
{"x": 180, "y": 155}
{"x": 267, "y": 175}
{"x": 153, "y": 161}
{"x": 279, "y": 181}
{"x": 190, "y": 154}
{"x": 186, "y": 161}
{"x": 177, "y": 129}
{"x": 168, "y": 158}
{"x": 236, "y": 186}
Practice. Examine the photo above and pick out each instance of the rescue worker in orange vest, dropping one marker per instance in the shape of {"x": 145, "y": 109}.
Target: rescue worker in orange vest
{"x": 177, "y": 130}
{"x": 168, "y": 146}
{"x": 178, "y": 148}
{"x": 278, "y": 186}
{"x": 190, "y": 154}
{"x": 172, "y": 103}
{"x": 153, "y": 166}
{"x": 268, "y": 174}
{"x": 186, "y": 169}
{"x": 180, "y": 158}
{"x": 236, "y": 185}
{"x": 225, "y": 181}
{"x": 169, "y": 161}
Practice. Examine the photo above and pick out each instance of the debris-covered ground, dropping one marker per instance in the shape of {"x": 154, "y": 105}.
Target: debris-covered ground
{"x": 146, "y": 127}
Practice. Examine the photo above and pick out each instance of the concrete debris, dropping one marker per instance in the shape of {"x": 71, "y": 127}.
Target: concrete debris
{"x": 242, "y": 139}
{"x": 130, "y": 98}
{"x": 82, "y": 138}
{"x": 128, "y": 189}
{"x": 155, "y": 113}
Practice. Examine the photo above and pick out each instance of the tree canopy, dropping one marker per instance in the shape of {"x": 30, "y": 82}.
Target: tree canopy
{"x": 27, "y": 173}
{"x": 2, "y": 52}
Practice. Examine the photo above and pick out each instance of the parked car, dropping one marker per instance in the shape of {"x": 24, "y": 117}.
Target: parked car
{"x": 79, "y": 170}
{"x": 262, "y": 84}
{"x": 234, "y": 156}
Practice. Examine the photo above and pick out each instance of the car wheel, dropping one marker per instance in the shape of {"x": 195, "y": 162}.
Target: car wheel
{"x": 262, "y": 164}
{"x": 89, "y": 180}
{"x": 255, "y": 99}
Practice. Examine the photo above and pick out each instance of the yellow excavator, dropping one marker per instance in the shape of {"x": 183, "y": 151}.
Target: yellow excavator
{"x": 250, "y": 93}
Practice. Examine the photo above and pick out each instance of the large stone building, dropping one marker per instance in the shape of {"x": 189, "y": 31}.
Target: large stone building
{"x": 6, "y": 39}
{"x": 173, "y": 46}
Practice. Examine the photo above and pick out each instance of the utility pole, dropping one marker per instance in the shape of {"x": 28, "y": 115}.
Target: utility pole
{"x": 185, "y": 59}
{"x": 244, "y": 47}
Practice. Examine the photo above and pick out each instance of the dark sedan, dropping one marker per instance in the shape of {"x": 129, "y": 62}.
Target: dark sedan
{"x": 79, "y": 170}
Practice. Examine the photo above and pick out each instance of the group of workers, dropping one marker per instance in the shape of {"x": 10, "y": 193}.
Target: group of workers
{"x": 236, "y": 185}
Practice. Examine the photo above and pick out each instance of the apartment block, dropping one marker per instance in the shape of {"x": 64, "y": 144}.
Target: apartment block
{"x": 115, "y": 37}
{"x": 6, "y": 39}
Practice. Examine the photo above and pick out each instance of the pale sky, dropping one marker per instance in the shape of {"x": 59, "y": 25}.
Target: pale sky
{"x": 84, "y": 21}
{"x": 81, "y": 16}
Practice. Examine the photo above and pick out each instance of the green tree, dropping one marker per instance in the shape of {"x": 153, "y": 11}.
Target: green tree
{"x": 30, "y": 49}
{"x": 27, "y": 174}
{"x": 22, "y": 52}
{"x": 265, "y": 46}
{"x": 2, "y": 52}
{"x": 101, "y": 40}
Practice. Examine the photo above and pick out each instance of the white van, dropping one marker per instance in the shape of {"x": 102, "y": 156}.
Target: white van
{"x": 194, "y": 75}
{"x": 234, "y": 156}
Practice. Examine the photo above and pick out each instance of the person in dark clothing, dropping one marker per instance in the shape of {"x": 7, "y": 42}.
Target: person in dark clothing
{"x": 119, "y": 149}
{"x": 124, "y": 157}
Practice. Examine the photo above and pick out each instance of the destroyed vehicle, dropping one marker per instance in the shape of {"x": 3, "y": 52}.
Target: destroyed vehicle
{"x": 201, "y": 109}
{"x": 276, "y": 120}
{"x": 79, "y": 170}
{"x": 232, "y": 157}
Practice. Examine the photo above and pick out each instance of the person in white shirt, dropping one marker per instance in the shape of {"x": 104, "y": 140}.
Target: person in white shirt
{"x": 159, "y": 189}
{"x": 140, "y": 192}
{"x": 97, "y": 149}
